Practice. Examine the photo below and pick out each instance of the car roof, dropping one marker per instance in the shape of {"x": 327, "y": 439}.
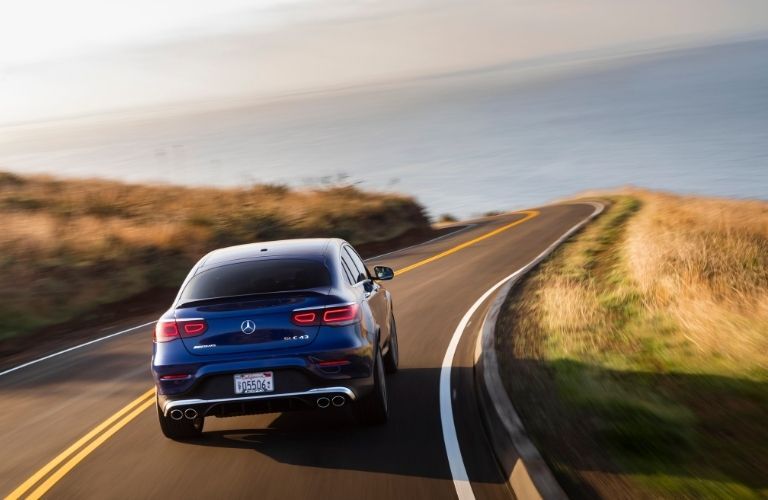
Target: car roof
{"x": 297, "y": 248}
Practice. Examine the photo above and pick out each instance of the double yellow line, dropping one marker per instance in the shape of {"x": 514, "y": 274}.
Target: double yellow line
{"x": 529, "y": 214}
{"x": 51, "y": 473}
{"x": 57, "y": 468}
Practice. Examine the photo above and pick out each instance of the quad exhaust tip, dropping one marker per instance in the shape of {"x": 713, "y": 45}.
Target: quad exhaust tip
{"x": 178, "y": 414}
{"x": 337, "y": 401}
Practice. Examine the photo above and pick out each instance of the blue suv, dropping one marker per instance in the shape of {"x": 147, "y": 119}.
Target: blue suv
{"x": 272, "y": 327}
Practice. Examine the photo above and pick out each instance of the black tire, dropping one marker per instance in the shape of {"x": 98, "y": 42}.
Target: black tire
{"x": 373, "y": 409}
{"x": 392, "y": 358}
{"x": 180, "y": 429}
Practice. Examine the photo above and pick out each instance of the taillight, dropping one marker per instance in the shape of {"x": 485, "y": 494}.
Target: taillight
{"x": 167, "y": 330}
{"x": 332, "y": 316}
{"x": 305, "y": 318}
{"x": 193, "y": 327}
{"x": 341, "y": 315}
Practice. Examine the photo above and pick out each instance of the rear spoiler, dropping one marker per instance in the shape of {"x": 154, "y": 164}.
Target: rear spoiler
{"x": 248, "y": 297}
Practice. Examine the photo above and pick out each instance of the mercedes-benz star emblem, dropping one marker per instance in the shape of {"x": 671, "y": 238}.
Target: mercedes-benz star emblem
{"x": 248, "y": 327}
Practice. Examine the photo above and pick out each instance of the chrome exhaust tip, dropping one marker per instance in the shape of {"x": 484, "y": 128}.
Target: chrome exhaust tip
{"x": 323, "y": 402}
{"x": 177, "y": 414}
{"x": 338, "y": 401}
{"x": 190, "y": 413}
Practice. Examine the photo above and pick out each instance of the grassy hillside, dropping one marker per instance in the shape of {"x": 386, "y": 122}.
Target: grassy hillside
{"x": 68, "y": 246}
{"x": 638, "y": 353}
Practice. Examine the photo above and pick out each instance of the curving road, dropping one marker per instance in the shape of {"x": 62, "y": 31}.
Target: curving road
{"x": 59, "y": 436}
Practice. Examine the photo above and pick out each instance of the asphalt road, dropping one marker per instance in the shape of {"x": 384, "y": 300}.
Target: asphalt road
{"x": 50, "y": 405}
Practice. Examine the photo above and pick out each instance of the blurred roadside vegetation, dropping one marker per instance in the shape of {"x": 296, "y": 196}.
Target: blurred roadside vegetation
{"x": 69, "y": 246}
{"x": 637, "y": 355}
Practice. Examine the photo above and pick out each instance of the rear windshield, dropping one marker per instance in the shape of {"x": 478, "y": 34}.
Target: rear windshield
{"x": 261, "y": 276}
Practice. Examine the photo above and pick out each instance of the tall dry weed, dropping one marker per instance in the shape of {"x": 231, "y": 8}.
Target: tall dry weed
{"x": 76, "y": 244}
{"x": 705, "y": 261}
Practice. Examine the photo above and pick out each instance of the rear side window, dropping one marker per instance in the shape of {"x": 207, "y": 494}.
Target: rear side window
{"x": 350, "y": 267}
{"x": 357, "y": 264}
{"x": 261, "y": 276}
{"x": 354, "y": 272}
{"x": 347, "y": 267}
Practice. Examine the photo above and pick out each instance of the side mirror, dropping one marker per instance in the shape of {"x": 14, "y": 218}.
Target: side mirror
{"x": 383, "y": 273}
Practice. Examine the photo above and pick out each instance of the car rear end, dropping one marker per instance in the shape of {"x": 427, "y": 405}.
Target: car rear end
{"x": 261, "y": 335}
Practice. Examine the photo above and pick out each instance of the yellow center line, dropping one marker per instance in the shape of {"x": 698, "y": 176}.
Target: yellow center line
{"x": 24, "y": 487}
{"x": 530, "y": 214}
{"x": 70, "y": 457}
{"x": 72, "y": 462}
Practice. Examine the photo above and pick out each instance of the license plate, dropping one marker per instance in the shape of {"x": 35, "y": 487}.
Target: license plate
{"x": 254, "y": 383}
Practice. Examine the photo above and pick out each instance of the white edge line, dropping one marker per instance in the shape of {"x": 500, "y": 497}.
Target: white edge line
{"x": 479, "y": 352}
{"x": 33, "y": 362}
{"x": 452, "y": 449}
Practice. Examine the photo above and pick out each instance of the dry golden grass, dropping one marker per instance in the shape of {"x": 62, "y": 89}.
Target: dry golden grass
{"x": 638, "y": 353}
{"x": 66, "y": 246}
{"x": 697, "y": 265}
{"x": 705, "y": 262}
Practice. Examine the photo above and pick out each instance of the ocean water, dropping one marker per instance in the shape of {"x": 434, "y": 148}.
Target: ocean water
{"x": 693, "y": 121}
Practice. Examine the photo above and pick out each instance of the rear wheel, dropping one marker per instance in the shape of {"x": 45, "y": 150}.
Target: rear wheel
{"x": 180, "y": 429}
{"x": 392, "y": 358}
{"x": 373, "y": 409}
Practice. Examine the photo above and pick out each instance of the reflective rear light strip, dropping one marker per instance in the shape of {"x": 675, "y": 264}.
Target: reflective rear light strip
{"x": 339, "y": 362}
{"x": 185, "y": 376}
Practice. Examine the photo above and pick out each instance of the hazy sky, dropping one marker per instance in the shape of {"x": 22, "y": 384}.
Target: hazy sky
{"x": 34, "y": 30}
{"x": 66, "y": 58}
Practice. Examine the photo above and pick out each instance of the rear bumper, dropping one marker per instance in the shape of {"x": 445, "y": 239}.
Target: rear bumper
{"x": 320, "y": 397}
{"x": 295, "y": 389}
{"x": 300, "y": 378}
{"x": 258, "y": 403}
